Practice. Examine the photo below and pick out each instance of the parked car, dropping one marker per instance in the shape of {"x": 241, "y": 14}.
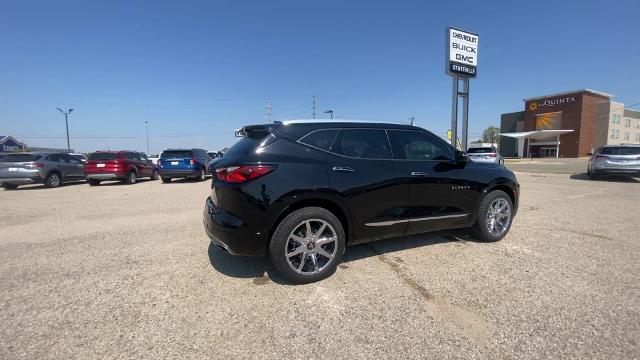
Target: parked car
{"x": 180, "y": 163}
{"x": 154, "y": 158}
{"x": 301, "y": 191}
{"x": 50, "y": 169}
{"x": 615, "y": 160}
{"x": 484, "y": 154}
{"x": 127, "y": 166}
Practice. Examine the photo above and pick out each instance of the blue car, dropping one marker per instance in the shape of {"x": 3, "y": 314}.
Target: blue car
{"x": 179, "y": 163}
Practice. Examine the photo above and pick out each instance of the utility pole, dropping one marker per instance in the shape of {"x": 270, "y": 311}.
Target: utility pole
{"x": 66, "y": 121}
{"x": 146, "y": 125}
{"x": 313, "y": 107}
{"x": 413, "y": 120}
{"x": 269, "y": 110}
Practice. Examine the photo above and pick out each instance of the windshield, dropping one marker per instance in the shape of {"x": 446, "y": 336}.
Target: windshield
{"x": 103, "y": 156}
{"x": 480, "y": 150}
{"x": 15, "y": 158}
{"x": 176, "y": 154}
{"x": 621, "y": 150}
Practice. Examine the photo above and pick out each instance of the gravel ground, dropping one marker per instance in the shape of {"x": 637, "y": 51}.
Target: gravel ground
{"x": 549, "y": 165}
{"x": 127, "y": 272}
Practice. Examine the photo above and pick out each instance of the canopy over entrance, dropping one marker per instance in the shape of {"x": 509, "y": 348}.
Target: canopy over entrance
{"x": 537, "y": 135}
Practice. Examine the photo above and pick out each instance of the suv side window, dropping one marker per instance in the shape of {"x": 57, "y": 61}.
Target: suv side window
{"x": 321, "y": 139}
{"x": 365, "y": 144}
{"x": 54, "y": 158}
{"x": 71, "y": 159}
{"x": 143, "y": 157}
{"x": 422, "y": 146}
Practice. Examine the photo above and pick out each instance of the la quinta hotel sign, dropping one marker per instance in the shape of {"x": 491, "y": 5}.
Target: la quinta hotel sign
{"x": 462, "y": 53}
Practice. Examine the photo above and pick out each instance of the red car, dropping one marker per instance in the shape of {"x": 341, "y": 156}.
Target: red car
{"x": 127, "y": 166}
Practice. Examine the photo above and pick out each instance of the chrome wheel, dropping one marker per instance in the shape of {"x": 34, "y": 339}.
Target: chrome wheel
{"x": 311, "y": 246}
{"x": 132, "y": 178}
{"x": 498, "y": 217}
{"x": 54, "y": 180}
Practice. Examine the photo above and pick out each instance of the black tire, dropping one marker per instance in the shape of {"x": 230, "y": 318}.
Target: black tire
{"x": 154, "y": 176}
{"x": 53, "y": 180}
{"x": 279, "y": 243}
{"x": 131, "y": 178}
{"x": 202, "y": 176}
{"x": 94, "y": 182}
{"x": 166, "y": 180}
{"x": 10, "y": 186}
{"x": 480, "y": 229}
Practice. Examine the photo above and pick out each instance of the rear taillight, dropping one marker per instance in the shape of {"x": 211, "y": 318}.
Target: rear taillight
{"x": 240, "y": 174}
{"x": 491, "y": 155}
{"x": 38, "y": 164}
{"x": 193, "y": 161}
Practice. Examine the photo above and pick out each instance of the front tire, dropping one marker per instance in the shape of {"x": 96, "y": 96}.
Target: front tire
{"x": 94, "y": 182}
{"x": 52, "y": 181}
{"x": 307, "y": 245}
{"x": 495, "y": 215}
{"x": 9, "y": 186}
{"x": 166, "y": 180}
{"x": 154, "y": 176}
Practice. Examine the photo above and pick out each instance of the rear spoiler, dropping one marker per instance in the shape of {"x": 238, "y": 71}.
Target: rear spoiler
{"x": 256, "y": 131}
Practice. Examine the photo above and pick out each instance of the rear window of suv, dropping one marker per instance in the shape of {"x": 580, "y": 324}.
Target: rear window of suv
{"x": 15, "y": 158}
{"x": 176, "y": 154}
{"x": 103, "y": 156}
{"x": 480, "y": 150}
{"x": 621, "y": 150}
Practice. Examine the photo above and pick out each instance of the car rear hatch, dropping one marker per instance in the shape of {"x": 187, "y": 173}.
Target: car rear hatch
{"x": 103, "y": 162}
{"x": 623, "y": 157}
{"x": 20, "y": 165}
{"x": 177, "y": 160}
{"x": 487, "y": 154}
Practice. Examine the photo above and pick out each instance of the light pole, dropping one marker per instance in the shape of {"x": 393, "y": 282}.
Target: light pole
{"x": 66, "y": 121}
{"x": 329, "y": 112}
{"x": 146, "y": 125}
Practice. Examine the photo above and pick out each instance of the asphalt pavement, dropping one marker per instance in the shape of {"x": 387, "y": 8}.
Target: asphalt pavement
{"x": 121, "y": 271}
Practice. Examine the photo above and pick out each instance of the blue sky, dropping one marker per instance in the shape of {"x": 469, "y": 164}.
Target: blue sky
{"x": 197, "y": 70}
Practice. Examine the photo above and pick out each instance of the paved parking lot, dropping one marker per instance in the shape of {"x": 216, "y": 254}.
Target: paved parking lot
{"x": 127, "y": 272}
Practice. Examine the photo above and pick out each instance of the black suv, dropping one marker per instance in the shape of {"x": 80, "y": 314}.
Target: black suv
{"x": 301, "y": 191}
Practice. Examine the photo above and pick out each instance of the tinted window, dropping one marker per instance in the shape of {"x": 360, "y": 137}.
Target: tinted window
{"x": 246, "y": 145}
{"x": 422, "y": 146}
{"x": 70, "y": 159}
{"x": 621, "y": 150}
{"x": 176, "y": 154}
{"x": 366, "y": 144}
{"x": 321, "y": 139}
{"x": 480, "y": 150}
{"x": 103, "y": 156}
{"x": 20, "y": 158}
{"x": 54, "y": 158}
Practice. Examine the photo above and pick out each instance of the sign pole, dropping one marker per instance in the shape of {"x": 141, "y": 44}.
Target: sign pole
{"x": 465, "y": 113}
{"x": 454, "y": 112}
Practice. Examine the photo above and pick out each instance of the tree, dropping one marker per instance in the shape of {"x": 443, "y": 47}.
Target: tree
{"x": 491, "y": 135}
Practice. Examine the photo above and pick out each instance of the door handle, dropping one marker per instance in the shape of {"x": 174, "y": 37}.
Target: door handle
{"x": 419, "y": 173}
{"x": 342, "y": 169}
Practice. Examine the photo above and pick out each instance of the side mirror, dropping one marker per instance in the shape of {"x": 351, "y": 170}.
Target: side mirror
{"x": 461, "y": 157}
{"x": 590, "y": 154}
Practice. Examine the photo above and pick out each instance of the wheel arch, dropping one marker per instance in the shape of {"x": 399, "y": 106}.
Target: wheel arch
{"x": 324, "y": 202}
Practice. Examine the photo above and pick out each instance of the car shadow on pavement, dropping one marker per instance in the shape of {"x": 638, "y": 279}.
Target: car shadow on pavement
{"x": 261, "y": 270}
{"x": 41, "y": 186}
{"x": 585, "y": 176}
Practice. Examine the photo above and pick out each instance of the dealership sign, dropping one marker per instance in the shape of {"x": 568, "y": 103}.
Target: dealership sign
{"x": 462, "y": 53}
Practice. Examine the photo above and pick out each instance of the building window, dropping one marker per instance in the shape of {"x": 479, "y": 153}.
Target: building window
{"x": 627, "y": 122}
{"x": 613, "y": 133}
{"x": 626, "y": 136}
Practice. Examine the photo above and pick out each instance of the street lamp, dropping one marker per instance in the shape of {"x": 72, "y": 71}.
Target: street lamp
{"x": 146, "y": 125}
{"x": 66, "y": 121}
{"x": 329, "y": 112}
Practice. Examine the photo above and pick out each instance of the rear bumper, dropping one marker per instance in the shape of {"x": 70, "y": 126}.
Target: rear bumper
{"x": 178, "y": 173}
{"x": 21, "y": 180}
{"x": 104, "y": 176}
{"x": 231, "y": 233}
{"x": 616, "y": 171}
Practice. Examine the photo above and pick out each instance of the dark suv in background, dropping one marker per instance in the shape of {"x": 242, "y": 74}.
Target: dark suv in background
{"x": 179, "y": 163}
{"x": 126, "y": 166}
{"x": 302, "y": 191}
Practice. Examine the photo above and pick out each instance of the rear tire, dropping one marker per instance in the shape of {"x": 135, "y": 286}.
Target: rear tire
{"x": 53, "y": 180}
{"x": 94, "y": 182}
{"x": 166, "y": 180}
{"x": 495, "y": 215}
{"x": 10, "y": 186}
{"x": 131, "y": 178}
{"x": 202, "y": 176}
{"x": 154, "y": 176}
{"x": 316, "y": 254}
